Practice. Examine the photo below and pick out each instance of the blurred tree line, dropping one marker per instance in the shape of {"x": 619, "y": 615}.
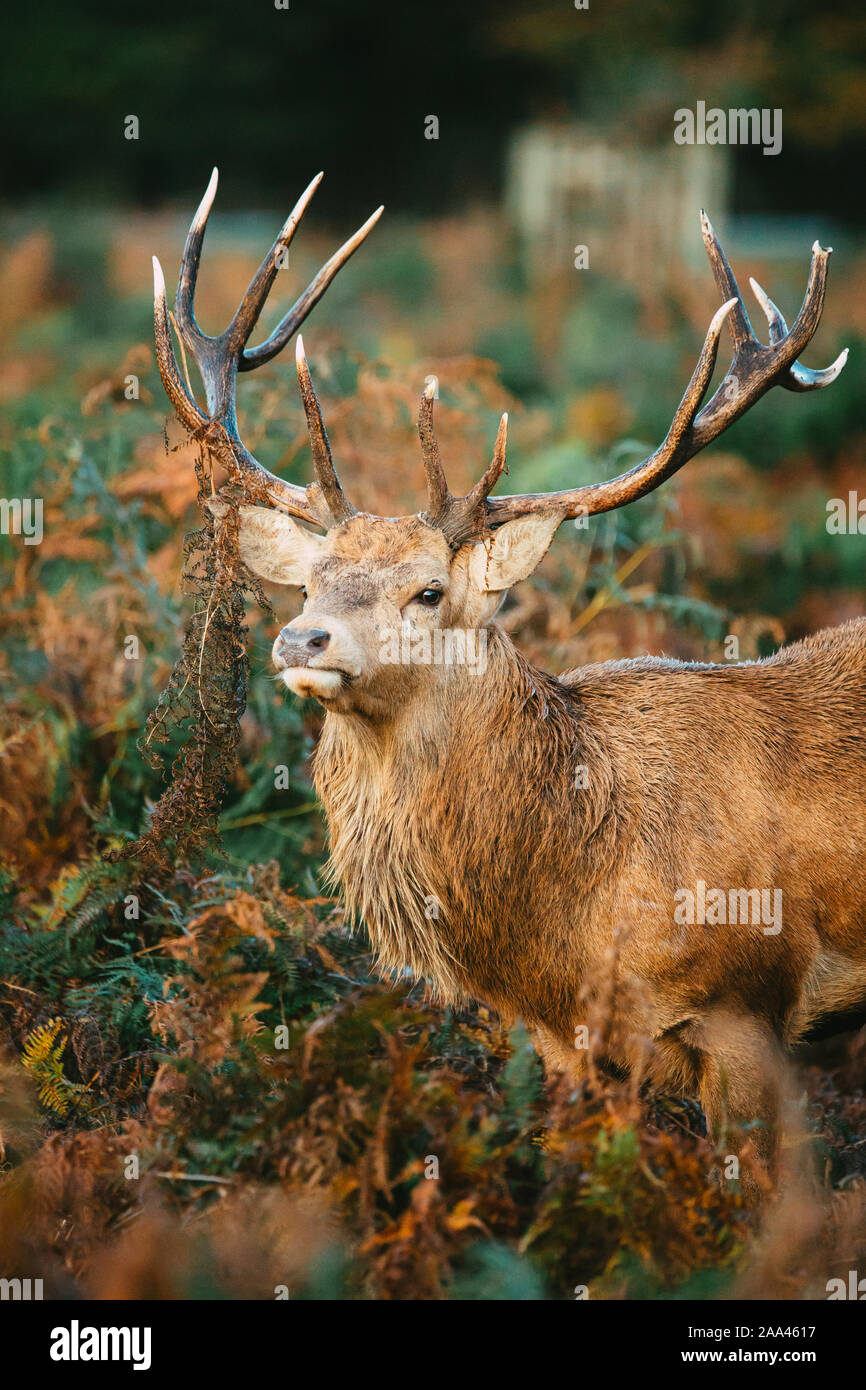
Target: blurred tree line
{"x": 268, "y": 91}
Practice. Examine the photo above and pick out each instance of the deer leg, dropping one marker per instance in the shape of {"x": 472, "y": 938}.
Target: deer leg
{"x": 556, "y": 1055}
{"x": 740, "y": 1084}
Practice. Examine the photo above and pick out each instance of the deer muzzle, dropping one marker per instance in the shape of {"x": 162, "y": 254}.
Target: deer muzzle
{"x": 316, "y": 661}
{"x": 297, "y": 648}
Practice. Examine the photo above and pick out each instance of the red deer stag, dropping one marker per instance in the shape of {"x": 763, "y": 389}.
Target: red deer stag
{"x": 496, "y": 827}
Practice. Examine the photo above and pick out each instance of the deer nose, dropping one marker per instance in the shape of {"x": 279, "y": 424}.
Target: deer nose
{"x": 293, "y": 645}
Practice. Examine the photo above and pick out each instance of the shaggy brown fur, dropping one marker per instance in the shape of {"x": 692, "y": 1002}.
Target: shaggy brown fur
{"x": 522, "y": 839}
{"x": 475, "y": 857}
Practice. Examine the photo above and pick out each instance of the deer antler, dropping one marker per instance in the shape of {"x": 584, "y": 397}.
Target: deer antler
{"x": 338, "y": 505}
{"x": 219, "y": 359}
{"x": 459, "y": 517}
{"x": 753, "y": 371}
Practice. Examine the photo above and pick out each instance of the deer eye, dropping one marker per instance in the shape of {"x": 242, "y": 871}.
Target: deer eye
{"x": 429, "y": 597}
{"x": 303, "y": 593}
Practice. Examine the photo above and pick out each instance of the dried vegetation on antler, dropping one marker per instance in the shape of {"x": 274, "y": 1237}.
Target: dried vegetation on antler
{"x": 206, "y": 692}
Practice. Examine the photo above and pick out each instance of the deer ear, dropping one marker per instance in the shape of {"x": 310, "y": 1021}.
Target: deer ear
{"x": 271, "y": 544}
{"x": 513, "y": 551}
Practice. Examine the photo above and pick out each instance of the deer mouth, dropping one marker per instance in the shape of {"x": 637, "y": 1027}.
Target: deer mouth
{"x": 316, "y": 682}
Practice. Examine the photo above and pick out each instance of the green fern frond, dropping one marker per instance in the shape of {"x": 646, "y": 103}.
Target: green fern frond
{"x": 43, "y": 1058}
{"x": 40, "y": 1046}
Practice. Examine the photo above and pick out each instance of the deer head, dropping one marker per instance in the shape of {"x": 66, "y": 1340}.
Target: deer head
{"x": 377, "y": 590}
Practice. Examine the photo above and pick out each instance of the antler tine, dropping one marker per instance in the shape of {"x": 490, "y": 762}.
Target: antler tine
{"x": 184, "y": 310}
{"x": 689, "y": 406}
{"x": 775, "y": 318}
{"x": 741, "y": 328}
{"x": 458, "y": 517}
{"x": 470, "y": 515}
{"x": 806, "y": 322}
{"x": 497, "y": 466}
{"x": 289, "y": 325}
{"x": 187, "y": 410}
{"x": 219, "y": 358}
{"x": 799, "y": 378}
{"x": 250, "y": 307}
{"x": 754, "y": 370}
{"x": 326, "y": 474}
{"x": 438, "y": 496}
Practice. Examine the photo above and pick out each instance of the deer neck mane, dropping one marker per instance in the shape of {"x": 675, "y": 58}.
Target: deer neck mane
{"x": 439, "y": 820}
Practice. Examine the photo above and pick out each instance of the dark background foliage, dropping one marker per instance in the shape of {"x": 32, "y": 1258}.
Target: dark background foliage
{"x": 346, "y": 87}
